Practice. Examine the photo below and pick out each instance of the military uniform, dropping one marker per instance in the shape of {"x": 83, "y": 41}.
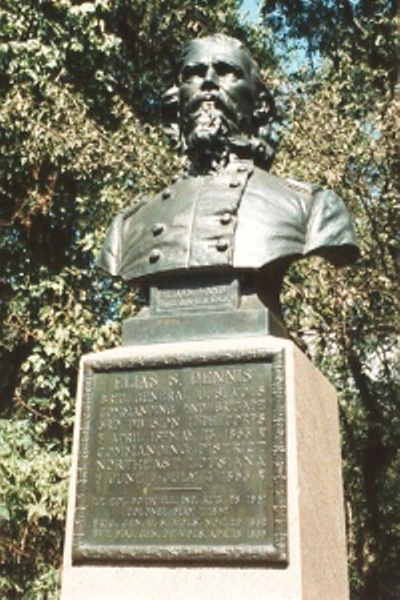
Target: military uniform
{"x": 241, "y": 218}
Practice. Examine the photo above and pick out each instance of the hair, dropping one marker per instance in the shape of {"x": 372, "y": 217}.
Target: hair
{"x": 264, "y": 116}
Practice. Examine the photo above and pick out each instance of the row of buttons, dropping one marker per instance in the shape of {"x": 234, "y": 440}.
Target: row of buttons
{"x": 155, "y": 255}
{"x": 159, "y": 228}
{"x": 222, "y": 244}
{"x": 166, "y": 194}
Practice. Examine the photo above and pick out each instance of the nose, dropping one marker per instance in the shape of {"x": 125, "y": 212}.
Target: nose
{"x": 210, "y": 80}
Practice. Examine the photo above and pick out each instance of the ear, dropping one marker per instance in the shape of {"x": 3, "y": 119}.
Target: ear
{"x": 170, "y": 112}
{"x": 264, "y": 123}
{"x": 265, "y": 109}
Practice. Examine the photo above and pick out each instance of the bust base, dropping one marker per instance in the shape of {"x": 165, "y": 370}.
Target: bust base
{"x": 315, "y": 518}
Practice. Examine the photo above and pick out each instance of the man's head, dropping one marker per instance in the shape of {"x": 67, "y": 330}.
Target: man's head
{"x": 221, "y": 96}
{"x": 217, "y": 87}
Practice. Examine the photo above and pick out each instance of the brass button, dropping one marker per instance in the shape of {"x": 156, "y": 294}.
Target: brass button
{"x": 157, "y": 228}
{"x": 155, "y": 255}
{"x": 234, "y": 183}
{"x": 222, "y": 245}
{"x": 166, "y": 194}
{"x": 225, "y": 219}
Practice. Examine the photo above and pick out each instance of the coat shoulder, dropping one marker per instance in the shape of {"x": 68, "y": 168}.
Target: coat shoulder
{"x": 303, "y": 187}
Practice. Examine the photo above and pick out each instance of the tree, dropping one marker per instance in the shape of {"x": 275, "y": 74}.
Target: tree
{"x": 341, "y": 133}
{"x": 79, "y": 130}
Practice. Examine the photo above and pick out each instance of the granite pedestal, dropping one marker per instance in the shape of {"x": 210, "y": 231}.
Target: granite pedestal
{"x": 205, "y": 466}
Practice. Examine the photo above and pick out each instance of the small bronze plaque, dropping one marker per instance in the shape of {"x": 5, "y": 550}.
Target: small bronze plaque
{"x": 182, "y": 463}
{"x": 205, "y": 295}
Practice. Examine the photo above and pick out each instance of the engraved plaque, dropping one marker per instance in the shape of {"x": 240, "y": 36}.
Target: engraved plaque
{"x": 182, "y": 462}
{"x": 205, "y": 295}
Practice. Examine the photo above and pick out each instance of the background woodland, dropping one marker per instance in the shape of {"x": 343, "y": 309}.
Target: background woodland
{"x": 80, "y": 136}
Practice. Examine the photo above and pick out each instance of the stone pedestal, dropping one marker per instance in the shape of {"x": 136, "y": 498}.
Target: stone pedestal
{"x": 288, "y": 542}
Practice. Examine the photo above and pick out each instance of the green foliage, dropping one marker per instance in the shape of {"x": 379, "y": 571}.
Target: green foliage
{"x": 80, "y": 88}
{"x": 33, "y": 483}
{"x": 342, "y": 134}
{"x": 360, "y": 29}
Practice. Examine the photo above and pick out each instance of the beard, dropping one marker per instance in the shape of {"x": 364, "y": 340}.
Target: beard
{"x": 207, "y": 129}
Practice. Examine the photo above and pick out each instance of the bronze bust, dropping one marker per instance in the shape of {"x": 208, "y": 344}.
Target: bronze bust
{"x": 227, "y": 213}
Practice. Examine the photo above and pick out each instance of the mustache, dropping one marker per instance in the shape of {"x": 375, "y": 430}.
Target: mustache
{"x": 220, "y": 99}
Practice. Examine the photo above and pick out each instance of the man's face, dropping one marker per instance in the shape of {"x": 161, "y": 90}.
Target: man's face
{"x": 216, "y": 90}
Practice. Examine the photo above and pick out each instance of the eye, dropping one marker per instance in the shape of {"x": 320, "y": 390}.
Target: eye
{"x": 190, "y": 71}
{"x": 223, "y": 68}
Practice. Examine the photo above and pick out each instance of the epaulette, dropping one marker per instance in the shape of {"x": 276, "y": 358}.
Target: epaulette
{"x": 302, "y": 186}
{"x": 134, "y": 206}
